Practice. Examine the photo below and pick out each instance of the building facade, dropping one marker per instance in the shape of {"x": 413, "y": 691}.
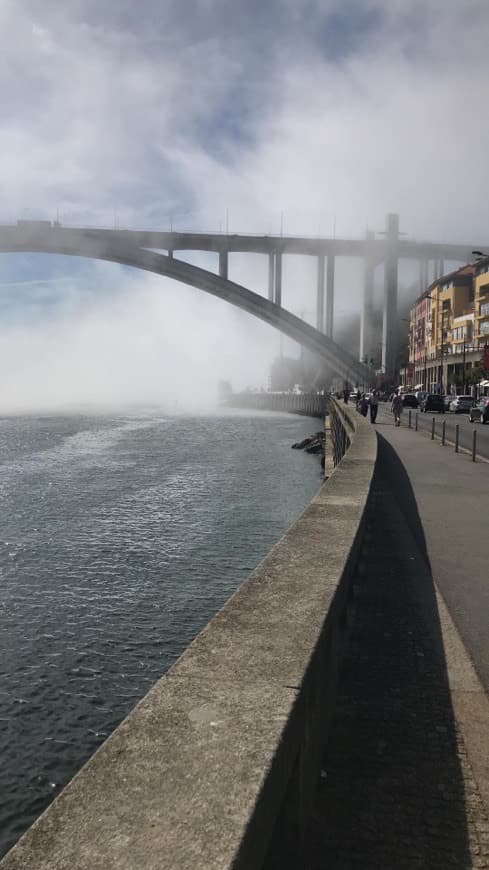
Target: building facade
{"x": 449, "y": 331}
{"x": 481, "y": 303}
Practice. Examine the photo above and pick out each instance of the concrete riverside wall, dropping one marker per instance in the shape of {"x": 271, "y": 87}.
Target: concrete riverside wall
{"x": 309, "y": 404}
{"x": 216, "y": 766}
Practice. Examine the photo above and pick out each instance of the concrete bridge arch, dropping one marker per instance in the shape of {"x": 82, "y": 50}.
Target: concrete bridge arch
{"x": 94, "y": 245}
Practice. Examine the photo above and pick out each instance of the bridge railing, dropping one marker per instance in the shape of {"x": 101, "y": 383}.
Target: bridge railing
{"x": 217, "y": 766}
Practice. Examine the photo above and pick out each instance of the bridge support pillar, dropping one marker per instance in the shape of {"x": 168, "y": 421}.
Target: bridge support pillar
{"x": 278, "y": 279}
{"x": 223, "y": 264}
{"x": 320, "y": 295}
{"x": 328, "y": 326}
{"x": 169, "y": 254}
{"x": 389, "y": 318}
{"x": 271, "y": 277}
{"x": 366, "y": 322}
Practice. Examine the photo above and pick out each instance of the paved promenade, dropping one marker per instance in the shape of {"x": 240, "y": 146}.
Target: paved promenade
{"x": 405, "y": 780}
{"x": 452, "y": 499}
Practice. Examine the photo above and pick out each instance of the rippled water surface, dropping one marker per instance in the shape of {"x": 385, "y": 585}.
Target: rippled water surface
{"x": 119, "y": 538}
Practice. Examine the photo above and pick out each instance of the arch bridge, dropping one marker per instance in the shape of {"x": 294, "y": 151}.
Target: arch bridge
{"x": 144, "y": 250}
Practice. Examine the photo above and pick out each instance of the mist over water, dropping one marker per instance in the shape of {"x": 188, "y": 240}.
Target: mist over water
{"x": 148, "y": 340}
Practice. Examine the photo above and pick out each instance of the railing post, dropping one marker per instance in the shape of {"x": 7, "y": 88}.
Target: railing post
{"x": 443, "y": 425}
{"x": 457, "y": 433}
{"x": 409, "y": 418}
{"x": 416, "y": 421}
{"x": 474, "y": 444}
{"x": 433, "y": 429}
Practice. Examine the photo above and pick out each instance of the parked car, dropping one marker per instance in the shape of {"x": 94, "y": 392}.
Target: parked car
{"x": 479, "y": 413}
{"x": 409, "y": 400}
{"x": 461, "y": 404}
{"x": 446, "y": 401}
{"x": 433, "y": 402}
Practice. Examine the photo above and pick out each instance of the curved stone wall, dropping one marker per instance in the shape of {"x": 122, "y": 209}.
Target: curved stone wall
{"x": 221, "y": 757}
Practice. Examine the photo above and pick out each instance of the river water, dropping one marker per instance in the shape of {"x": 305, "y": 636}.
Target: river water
{"x": 120, "y": 537}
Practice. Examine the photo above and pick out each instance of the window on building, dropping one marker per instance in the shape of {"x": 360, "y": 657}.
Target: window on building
{"x": 484, "y": 309}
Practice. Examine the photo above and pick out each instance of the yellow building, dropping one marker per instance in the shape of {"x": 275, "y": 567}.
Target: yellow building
{"x": 481, "y": 303}
{"x": 441, "y": 328}
{"x": 452, "y": 298}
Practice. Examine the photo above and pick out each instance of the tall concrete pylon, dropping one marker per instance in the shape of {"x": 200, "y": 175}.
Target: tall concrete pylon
{"x": 275, "y": 277}
{"x": 223, "y": 264}
{"x": 366, "y": 321}
{"x": 271, "y": 276}
{"x": 320, "y": 295}
{"x": 389, "y": 314}
{"x": 328, "y": 325}
{"x": 422, "y": 282}
{"x": 278, "y": 278}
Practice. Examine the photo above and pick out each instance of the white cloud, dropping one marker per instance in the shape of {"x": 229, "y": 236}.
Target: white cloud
{"x": 153, "y": 342}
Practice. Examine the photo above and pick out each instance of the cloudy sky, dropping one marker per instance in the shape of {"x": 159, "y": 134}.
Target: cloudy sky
{"x": 320, "y": 115}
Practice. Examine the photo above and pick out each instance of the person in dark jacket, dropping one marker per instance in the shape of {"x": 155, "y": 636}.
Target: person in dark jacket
{"x": 363, "y": 405}
{"x": 374, "y": 406}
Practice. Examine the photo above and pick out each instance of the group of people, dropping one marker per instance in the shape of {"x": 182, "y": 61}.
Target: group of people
{"x": 371, "y": 402}
{"x": 368, "y": 403}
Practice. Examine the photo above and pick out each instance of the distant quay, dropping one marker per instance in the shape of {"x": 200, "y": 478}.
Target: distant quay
{"x": 307, "y": 404}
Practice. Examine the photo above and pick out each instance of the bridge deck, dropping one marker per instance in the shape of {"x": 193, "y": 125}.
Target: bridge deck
{"x": 406, "y": 774}
{"x": 251, "y": 243}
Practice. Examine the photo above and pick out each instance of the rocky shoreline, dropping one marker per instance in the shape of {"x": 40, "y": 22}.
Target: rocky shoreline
{"x": 315, "y": 444}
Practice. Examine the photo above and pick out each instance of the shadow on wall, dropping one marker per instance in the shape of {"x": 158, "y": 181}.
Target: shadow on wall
{"x": 391, "y": 793}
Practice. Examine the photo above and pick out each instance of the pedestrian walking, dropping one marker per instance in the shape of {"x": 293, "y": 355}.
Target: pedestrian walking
{"x": 363, "y": 405}
{"x": 374, "y": 406}
{"x": 396, "y": 409}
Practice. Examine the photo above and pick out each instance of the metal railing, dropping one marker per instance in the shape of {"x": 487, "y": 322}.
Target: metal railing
{"x": 341, "y": 430}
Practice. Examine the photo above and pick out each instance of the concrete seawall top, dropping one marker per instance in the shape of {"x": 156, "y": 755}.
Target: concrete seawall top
{"x": 196, "y": 774}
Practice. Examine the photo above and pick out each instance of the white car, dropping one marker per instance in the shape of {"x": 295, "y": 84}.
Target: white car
{"x": 461, "y": 404}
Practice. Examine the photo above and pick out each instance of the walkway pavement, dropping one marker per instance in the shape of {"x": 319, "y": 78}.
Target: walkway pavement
{"x": 452, "y": 498}
{"x": 466, "y": 429}
{"x": 405, "y": 780}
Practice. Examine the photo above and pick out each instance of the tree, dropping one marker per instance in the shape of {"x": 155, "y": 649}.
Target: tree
{"x": 475, "y": 374}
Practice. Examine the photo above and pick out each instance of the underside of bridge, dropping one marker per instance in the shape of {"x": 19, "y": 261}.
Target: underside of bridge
{"x": 142, "y": 249}
{"x": 85, "y": 243}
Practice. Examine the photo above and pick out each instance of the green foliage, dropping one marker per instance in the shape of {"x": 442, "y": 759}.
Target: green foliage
{"x": 475, "y": 374}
